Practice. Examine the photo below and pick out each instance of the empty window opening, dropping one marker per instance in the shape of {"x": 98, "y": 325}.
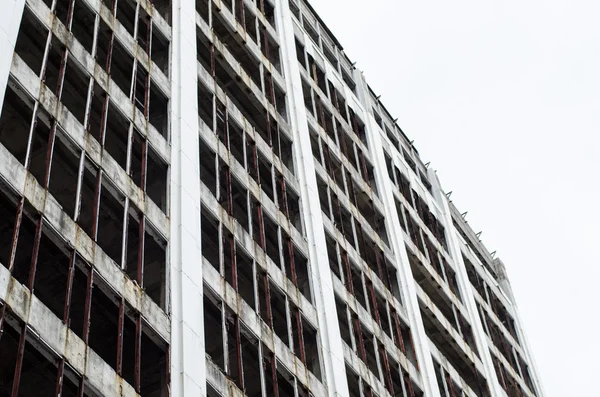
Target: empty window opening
{"x": 157, "y": 179}
{"x": 25, "y": 244}
{"x": 158, "y": 113}
{"x": 353, "y": 382}
{"x": 104, "y": 318}
{"x": 266, "y": 177}
{"x": 250, "y": 360}
{"x": 311, "y": 347}
{"x": 342, "y": 315}
{"x": 31, "y": 41}
{"x": 285, "y": 382}
{"x": 155, "y": 267}
{"x": 160, "y": 50}
{"x": 205, "y": 105}
{"x": 89, "y": 186}
{"x": 122, "y": 67}
{"x": 202, "y": 9}
{"x": 8, "y": 213}
{"x": 213, "y": 331}
{"x": 279, "y": 314}
{"x": 357, "y": 285}
{"x": 95, "y": 121}
{"x": 128, "y": 353}
{"x": 369, "y": 345}
{"x": 15, "y": 121}
{"x": 245, "y": 273}
{"x": 64, "y": 173}
{"x": 104, "y": 45}
{"x": 239, "y": 203}
{"x": 126, "y": 14}
{"x": 38, "y": 152}
{"x": 208, "y": 168}
{"x": 272, "y": 240}
{"x": 110, "y": 222}
{"x": 116, "y": 140}
{"x": 302, "y": 274}
{"x": 51, "y": 275}
{"x": 78, "y": 296}
{"x": 210, "y": 238}
{"x": 164, "y": 9}
{"x": 236, "y": 141}
{"x": 285, "y": 152}
{"x": 84, "y": 21}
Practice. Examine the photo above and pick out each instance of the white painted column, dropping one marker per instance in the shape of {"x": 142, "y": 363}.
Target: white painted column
{"x": 406, "y": 279}
{"x": 188, "y": 361}
{"x": 334, "y": 369}
{"x": 504, "y": 283}
{"x": 466, "y": 291}
{"x": 10, "y": 20}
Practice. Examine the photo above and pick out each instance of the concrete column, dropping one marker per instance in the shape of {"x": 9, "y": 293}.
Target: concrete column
{"x": 10, "y": 20}
{"x": 406, "y": 280}
{"x": 188, "y": 363}
{"x": 466, "y": 291}
{"x": 334, "y": 370}
{"x": 504, "y": 283}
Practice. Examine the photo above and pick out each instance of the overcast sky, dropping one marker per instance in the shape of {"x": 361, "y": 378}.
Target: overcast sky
{"x": 503, "y": 97}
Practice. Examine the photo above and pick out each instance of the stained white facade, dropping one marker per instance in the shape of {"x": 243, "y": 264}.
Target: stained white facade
{"x": 205, "y": 198}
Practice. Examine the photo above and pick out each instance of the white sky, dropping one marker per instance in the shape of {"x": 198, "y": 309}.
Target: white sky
{"x": 503, "y": 97}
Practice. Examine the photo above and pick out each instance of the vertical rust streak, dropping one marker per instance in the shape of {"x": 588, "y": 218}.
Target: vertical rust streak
{"x": 212, "y": 61}
{"x": 70, "y": 14}
{"x": 408, "y": 382}
{"x": 141, "y": 250}
{"x": 361, "y": 344}
{"x": 399, "y": 333}
{"x": 15, "y": 235}
{"x": 2, "y": 313}
{"x": 88, "y": 306}
{"x": 412, "y": 347}
{"x": 274, "y": 376}
{"x": 19, "y": 363}
{"x": 59, "y": 377}
{"x": 81, "y": 387}
{"x": 49, "y": 155}
{"x": 120, "y": 325}
{"x": 234, "y": 272}
{"x": 450, "y": 385}
{"x": 69, "y": 288}
{"x": 300, "y": 336}
{"x": 349, "y": 284}
{"x": 111, "y": 42}
{"x": 34, "y": 254}
{"x": 261, "y": 226}
{"x": 268, "y": 300}
{"x": 374, "y": 303}
{"x": 386, "y": 366}
{"x": 96, "y": 205}
{"x": 238, "y": 350}
{"x": 168, "y": 371}
{"x": 144, "y": 174}
{"x": 138, "y": 352}
{"x": 290, "y": 245}
{"x": 103, "y": 121}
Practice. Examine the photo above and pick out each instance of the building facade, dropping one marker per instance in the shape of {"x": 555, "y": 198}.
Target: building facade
{"x": 205, "y": 198}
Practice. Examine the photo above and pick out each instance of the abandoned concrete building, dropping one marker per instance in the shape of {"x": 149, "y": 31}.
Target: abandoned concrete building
{"x": 205, "y": 198}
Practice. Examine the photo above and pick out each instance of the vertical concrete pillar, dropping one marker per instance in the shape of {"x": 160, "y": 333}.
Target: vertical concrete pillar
{"x": 407, "y": 283}
{"x": 188, "y": 363}
{"x": 10, "y": 20}
{"x": 466, "y": 291}
{"x": 324, "y": 298}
